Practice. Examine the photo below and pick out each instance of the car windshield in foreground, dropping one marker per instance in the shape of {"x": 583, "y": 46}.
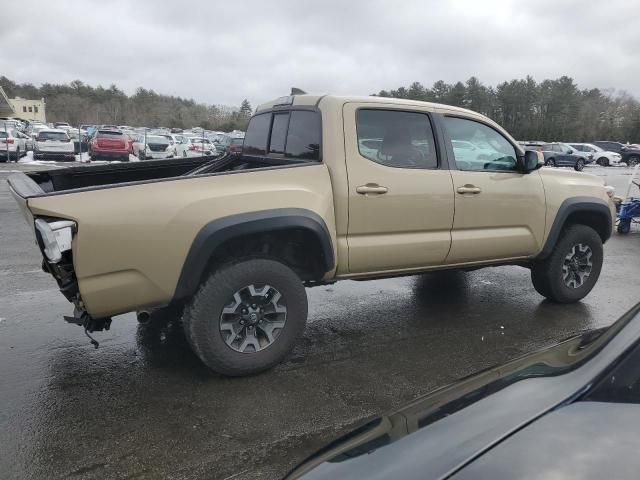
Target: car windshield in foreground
{"x": 52, "y": 136}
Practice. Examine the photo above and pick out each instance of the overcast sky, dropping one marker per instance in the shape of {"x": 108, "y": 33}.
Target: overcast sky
{"x": 222, "y": 52}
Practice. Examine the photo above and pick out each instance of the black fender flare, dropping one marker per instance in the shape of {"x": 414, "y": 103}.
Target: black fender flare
{"x": 570, "y": 206}
{"x": 218, "y": 231}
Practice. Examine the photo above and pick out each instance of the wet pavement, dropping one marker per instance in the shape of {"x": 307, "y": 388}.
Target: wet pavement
{"x": 143, "y": 406}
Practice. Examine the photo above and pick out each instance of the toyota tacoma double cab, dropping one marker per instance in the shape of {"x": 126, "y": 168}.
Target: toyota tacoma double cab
{"x": 326, "y": 188}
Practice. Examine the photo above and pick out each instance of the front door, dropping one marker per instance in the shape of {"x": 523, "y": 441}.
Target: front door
{"x": 400, "y": 199}
{"x": 499, "y": 211}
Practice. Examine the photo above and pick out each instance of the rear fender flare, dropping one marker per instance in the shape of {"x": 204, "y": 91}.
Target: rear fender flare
{"x": 218, "y": 231}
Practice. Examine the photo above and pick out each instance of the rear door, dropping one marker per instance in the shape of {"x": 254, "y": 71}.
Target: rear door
{"x": 400, "y": 190}
{"x": 499, "y": 211}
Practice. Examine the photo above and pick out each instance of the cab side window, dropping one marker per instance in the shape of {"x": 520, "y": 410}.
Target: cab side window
{"x": 477, "y": 147}
{"x": 396, "y": 138}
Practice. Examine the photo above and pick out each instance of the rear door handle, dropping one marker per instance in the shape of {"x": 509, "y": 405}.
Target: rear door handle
{"x": 469, "y": 189}
{"x": 371, "y": 188}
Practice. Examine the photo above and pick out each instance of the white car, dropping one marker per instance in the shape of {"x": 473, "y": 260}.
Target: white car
{"x": 12, "y": 145}
{"x": 196, "y": 147}
{"x": 55, "y": 143}
{"x": 156, "y": 147}
{"x": 600, "y": 156}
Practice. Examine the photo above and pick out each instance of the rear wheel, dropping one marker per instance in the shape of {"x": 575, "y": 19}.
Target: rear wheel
{"x": 17, "y": 155}
{"x": 579, "y": 165}
{"x": 572, "y": 269}
{"x": 551, "y": 162}
{"x": 247, "y": 316}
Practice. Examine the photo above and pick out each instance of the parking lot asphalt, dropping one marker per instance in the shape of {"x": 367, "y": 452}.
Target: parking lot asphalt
{"x": 143, "y": 406}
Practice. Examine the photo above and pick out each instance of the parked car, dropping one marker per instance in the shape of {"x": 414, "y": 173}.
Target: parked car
{"x": 567, "y": 412}
{"x": 80, "y": 139}
{"x": 12, "y": 145}
{"x": 61, "y": 125}
{"x": 235, "y": 240}
{"x": 53, "y": 143}
{"x": 195, "y": 147}
{"x": 157, "y": 147}
{"x": 111, "y": 144}
{"x": 37, "y": 128}
{"x": 229, "y": 144}
{"x": 630, "y": 154}
{"x": 28, "y": 141}
{"x": 562, "y": 155}
{"x": 601, "y": 157}
{"x": 470, "y": 152}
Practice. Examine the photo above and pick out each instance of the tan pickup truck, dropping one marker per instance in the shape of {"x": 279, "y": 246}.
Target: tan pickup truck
{"x": 326, "y": 188}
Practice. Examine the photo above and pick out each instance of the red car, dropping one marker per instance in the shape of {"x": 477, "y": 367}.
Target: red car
{"x": 109, "y": 144}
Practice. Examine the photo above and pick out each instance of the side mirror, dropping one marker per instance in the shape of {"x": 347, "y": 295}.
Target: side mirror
{"x": 532, "y": 160}
{"x": 570, "y": 151}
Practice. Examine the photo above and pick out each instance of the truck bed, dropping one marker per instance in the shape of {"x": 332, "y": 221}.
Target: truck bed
{"x": 64, "y": 179}
{"x": 67, "y": 180}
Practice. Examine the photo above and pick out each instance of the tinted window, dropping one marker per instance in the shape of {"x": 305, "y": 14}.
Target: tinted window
{"x": 53, "y": 136}
{"x": 278, "y": 133}
{"x": 396, "y": 139}
{"x": 303, "y": 138}
{"x": 490, "y": 150}
{"x": 109, "y": 133}
{"x": 255, "y": 141}
{"x": 236, "y": 141}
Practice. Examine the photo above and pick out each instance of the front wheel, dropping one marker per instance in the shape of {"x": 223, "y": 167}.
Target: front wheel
{"x": 572, "y": 269}
{"x": 633, "y": 161}
{"x": 624, "y": 227}
{"x": 604, "y": 161}
{"x": 246, "y": 317}
{"x": 579, "y": 165}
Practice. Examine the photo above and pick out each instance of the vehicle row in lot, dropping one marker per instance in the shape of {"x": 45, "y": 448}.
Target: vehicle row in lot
{"x": 578, "y": 154}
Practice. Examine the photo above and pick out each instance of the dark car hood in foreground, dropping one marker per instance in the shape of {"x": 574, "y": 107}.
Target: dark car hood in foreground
{"x": 443, "y": 434}
{"x": 584, "y": 440}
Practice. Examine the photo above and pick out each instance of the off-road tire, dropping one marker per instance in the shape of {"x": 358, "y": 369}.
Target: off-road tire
{"x": 547, "y": 275}
{"x": 201, "y": 317}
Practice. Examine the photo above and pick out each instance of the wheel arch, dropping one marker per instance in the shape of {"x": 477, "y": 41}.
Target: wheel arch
{"x": 593, "y": 212}
{"x": 210, "y": 242}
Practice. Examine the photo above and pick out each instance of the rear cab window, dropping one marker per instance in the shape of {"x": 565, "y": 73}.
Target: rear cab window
{"x": 289, "y": 134}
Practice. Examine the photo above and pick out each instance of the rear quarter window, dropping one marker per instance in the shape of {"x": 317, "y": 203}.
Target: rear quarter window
{"x": 255, "y": 141}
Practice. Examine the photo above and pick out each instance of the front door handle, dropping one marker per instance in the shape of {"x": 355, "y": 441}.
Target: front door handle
{"x": 469, "y": 189}
{"x": 371, "y": 188}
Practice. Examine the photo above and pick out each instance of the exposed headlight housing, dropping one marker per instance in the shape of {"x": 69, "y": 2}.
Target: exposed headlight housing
{"x": 55, "y": 237}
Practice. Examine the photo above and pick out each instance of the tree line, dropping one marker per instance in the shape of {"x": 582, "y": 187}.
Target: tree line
{"x": 551, "y": 110}
{"x": 529, "y": 110}
{"x": 79, "y": 103}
